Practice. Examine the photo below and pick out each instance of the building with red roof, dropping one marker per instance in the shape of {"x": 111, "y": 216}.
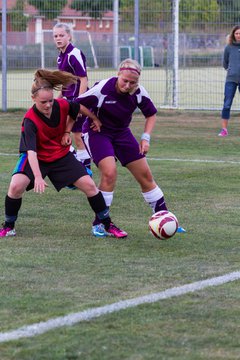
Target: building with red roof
{"x": 74, "y": 18}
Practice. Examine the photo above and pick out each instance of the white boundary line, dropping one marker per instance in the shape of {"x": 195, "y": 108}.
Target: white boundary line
{"x": 74, "y": 318}
{"x": 3, "y": 154}
{"x": 171, "y": 159}
{"x": 196, "y": 160}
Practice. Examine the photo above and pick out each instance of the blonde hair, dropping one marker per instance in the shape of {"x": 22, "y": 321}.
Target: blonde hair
{"x": 51, "y": 80}
{"x": 131, "y": 65}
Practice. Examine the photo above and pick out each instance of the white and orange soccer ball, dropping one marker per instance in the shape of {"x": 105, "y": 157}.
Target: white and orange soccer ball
{"x": 163, "y": 224}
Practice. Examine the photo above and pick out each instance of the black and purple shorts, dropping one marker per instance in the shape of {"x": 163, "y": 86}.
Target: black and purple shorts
{"x": 62, "y": 172}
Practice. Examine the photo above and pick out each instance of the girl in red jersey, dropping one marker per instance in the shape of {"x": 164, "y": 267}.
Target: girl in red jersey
{"x": 44, "y": 150}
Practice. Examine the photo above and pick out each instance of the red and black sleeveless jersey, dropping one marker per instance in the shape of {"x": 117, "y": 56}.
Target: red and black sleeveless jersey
{"x": 48, "y": 139}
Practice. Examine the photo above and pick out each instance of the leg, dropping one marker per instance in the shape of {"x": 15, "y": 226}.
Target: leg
{"x": 103, "y": 154}
{"x": 86, "y": 185}
{"x": 151, "y": 192}
{"x": 108, "y": 176}
{"x": 95, "y": 199}
{"x": 13, "y": 202}
{"x": 229, "y": 93}
{"x": 81, "y": 152}
{"x": 108, "y": 171}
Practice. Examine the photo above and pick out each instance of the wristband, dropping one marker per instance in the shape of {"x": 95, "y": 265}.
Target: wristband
{"x": 67, "y": 132}
{"x": 146, "y": 136}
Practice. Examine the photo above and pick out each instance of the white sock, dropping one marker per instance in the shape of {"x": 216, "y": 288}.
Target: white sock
{"x": 82, "y": 155}
{"x": 108, "y": 197}
{"x": 152, "y": 196}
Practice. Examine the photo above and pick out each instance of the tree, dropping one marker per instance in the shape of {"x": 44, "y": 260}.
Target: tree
{"x": 92, "y": 8}
{"x": 198, "y": 14}
{"x": 50, "y": 9}
{"x": 152, "y": 14}
{"x": 18, "y": 20}
{"x": 229, "y": 11}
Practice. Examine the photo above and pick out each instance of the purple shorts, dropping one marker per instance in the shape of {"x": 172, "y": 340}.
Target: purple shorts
{"x": 77, "y": 127}
{"x": 61, "y": 173}
{"x": 120, "y": 144}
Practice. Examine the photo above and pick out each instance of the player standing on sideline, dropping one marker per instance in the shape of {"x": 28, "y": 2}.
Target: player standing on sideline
{"x": 73, "y": 60}
{"x": 114, "y": 100}
{"x": 44, "y": 150}
{"x": 231, "y": 61}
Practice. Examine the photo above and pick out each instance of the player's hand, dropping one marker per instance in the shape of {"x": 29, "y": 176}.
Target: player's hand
{"x": 66, "y": 139}
{"x": 39, "y": 185}
{"x": 96, "y": 124}
{"x": 144, "y": 147}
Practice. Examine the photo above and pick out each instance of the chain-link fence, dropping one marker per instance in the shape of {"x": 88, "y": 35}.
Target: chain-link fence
{"x": 178, "y": 43}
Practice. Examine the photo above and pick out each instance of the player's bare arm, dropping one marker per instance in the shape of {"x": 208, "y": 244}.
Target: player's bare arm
{"x": 39, "y": 182}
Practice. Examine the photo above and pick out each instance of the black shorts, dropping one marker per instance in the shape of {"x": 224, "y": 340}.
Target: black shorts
{"x": 61, "y": 173}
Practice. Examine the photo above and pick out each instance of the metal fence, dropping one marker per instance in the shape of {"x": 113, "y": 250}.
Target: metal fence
{"x": 178, "y": 43}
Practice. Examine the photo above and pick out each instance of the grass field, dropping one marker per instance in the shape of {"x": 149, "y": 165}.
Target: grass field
{"x": 54, "y": 267}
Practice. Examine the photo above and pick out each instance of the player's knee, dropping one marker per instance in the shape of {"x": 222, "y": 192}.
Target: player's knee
{"x": 16, "y": 190}
{"x": 87, "y": 185}
{"x": 109, "y": 177}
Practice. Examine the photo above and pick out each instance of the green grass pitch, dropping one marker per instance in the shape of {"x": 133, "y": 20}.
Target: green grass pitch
{"x": 54, "y": 267}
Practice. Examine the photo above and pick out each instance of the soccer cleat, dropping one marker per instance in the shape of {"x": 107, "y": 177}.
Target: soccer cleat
{"x": 6, "y": 231}
{"x": 114, "y": 231}
{"x": 180, "y": 230}
{"x": 99, "y": 230}
{"x": 223, "y": 133}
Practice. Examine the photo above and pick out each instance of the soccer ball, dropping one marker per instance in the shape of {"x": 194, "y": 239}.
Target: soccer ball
{"x": 163, "y": 224}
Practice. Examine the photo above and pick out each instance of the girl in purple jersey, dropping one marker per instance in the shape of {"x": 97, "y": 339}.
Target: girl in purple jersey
{"x": 114, "y": 100}
{"x": 72, "y": 59}
{"x": 44, "y": 150}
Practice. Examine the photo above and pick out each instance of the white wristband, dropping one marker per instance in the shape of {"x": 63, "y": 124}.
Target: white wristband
{"x": 146, "y": 136}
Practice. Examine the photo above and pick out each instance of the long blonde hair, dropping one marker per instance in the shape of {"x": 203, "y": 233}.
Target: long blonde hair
{"x": 52, "y": 80}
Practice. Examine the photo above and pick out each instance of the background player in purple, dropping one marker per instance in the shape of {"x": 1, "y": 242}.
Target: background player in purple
{"x": 72, "y": 59}
{"x": 114, "y": 100}
{"x": 44, "y": 150}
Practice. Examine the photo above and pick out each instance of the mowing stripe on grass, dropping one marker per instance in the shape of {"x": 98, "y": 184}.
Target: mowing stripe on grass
{"x": 74, "y": 318}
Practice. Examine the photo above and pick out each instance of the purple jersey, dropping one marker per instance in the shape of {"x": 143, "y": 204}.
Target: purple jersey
{"x": 115, "y": 113}
{"x": 74, "y": 62}
{"x": 113, "y": 109}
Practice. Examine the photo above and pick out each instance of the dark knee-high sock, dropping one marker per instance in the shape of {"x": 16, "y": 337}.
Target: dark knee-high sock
{"x": 98, "y": 205}
{"x": 12, "y": 207}
{"x": 108, "y": 197}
